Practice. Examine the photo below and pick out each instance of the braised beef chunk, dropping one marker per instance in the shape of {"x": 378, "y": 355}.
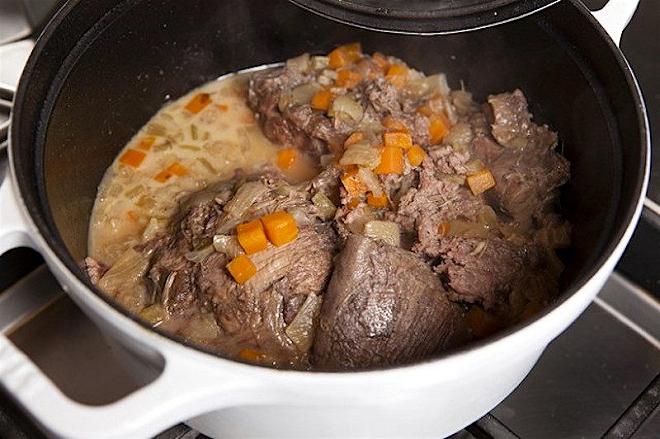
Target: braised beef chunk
{"x": 187, "y": 275}
{"x": 289, "y": 123}
{"x": 513, "y": 126}
{"x": 383, "y": 306}
{"x": 487, "y": 271}
{"x": 526, "y": 182}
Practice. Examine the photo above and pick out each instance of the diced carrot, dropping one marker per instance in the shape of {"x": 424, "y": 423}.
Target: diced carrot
{"x": 438, "y": 128}
{"x": 397, "y": 74}
{"x": 393, "y": 124}
{"x": 281, "y": 227}
{"x": 481, "y": 323}
{"x": 353, "y": 203}
{"x": 222, "y": 107}
{"x": 321, "y": 100}
{"x": 337, "y": 58}
{"x": 147, "y": 142}
{"x": 381, "y": 61}
{"x": 241, "y": 269}
{"x": 286, "y": 157}
{"x": 348, "y": 78}
{"x": 377, "y": 201}
{"x": 352, "y": 183}
{"x": 250, "y": 355}
{"x": 251, "y": 236}
{"x": 345, "y": 54}
{"x": 132, "y": 158}
{"x": 425, "y": 110}
{"x": 416, "y": 155}
{"x": 133, "y": 216}
{"x": 169, "y": 172}
{"x": 177, "y": 169}
{"x": 198, "y": 103}
{"x": 354, "y": 138}
{"x": 397, "y": 139}
{"x": 481, "y": 181}
{"x": 391, "y": 161}
{"x": 353, "y": 51}
{"x": 163, "y": 176}
{"x": 443, "y": 229}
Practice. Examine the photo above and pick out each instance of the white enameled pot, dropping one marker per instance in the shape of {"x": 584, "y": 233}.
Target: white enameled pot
{"x": 222, "y": 398}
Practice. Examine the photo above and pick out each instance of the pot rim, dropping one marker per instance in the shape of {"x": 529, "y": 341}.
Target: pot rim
{"x": 536, "y": 328}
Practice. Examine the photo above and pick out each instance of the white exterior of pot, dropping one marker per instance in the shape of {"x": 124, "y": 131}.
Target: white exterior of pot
{"x": 222, "y": 398}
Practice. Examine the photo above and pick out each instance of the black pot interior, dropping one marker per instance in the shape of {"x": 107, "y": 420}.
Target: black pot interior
{"x": 106, "y": 69}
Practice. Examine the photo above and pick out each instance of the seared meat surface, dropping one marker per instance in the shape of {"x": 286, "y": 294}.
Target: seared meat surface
{"x": 384, "y": 306}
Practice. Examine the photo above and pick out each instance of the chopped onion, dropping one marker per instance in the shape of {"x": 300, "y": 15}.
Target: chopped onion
{"x": 320, "y": 62}
{"x": 299, "y": 64}
{"x": 201, "y": 328}
{"x": 386, "y": 231}
{"x": 469, "y": 229}
{"x": 462, "y": 101}
{"x": 325, "y": 207}
{"x": 426, "y": 86}
{"x": 301, "y": 329}
{"x": 154, "y": 314}
{"x": 370, "y": 179}
{"x": 346, "y": 106}
{"x": 459, "y": 136}
{"x": 124, "y": 280}
{"x": 227, "y": 244}
{"x": 474, "y": 166}
{"x": 198, "y": 256}
{"x": 298, "y": 96}
{"x": 245, "y": 197}
{"x": 361, "y": 154}
{"x": 154, "y": 226}
{"x": 301, "y": 217}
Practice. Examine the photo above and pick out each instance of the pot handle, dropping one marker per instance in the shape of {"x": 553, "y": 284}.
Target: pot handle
{"x": 615, "y": 16}
{"x": 184, "y": 389}
{"x": 14, "y": 229}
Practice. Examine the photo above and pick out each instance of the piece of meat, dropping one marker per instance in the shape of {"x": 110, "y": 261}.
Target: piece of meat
{"x": 94, "y": 269}
{"x": 284, "y": 274}
{"x": 487, "y": 271}
{"x": 297, "y": 126}
{"x": 383, "y": 96}
{"x": 187, "y": 279}
{"x": 526, "y": 182}
{"x": 435, "y": 200}
{"x": 513, "y": 126}
{"x": 383, "y": 307}
{"x": 267, "y": 86}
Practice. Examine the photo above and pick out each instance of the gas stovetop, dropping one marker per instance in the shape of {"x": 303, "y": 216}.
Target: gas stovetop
{"x": 601, "y": 378}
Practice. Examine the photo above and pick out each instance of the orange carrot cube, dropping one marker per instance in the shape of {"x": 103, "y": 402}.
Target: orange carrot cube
{"x": 241, "y": 269}
{"x": 132, "y": 158}
{"x": 281, "y": 227}
{"x": 416, "y": 155}
{"x": 198, "y": 103}
{"x": 397, "y": 139}
{"x": 251, "y": 236}
{"x": 286, "y": 157}
{"x": 391, "y": 161}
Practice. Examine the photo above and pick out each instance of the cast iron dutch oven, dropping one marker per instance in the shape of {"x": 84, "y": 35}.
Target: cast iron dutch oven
{"x": 101, "y": 68}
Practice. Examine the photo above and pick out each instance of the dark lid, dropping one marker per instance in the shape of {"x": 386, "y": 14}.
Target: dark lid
{"x": 423, "y": 16}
